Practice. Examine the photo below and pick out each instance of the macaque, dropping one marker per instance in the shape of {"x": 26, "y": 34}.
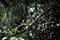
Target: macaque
{"x": 4, "y": 18}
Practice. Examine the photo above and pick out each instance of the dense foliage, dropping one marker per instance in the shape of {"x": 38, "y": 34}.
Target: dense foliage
{"x": 30, "y": 19}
